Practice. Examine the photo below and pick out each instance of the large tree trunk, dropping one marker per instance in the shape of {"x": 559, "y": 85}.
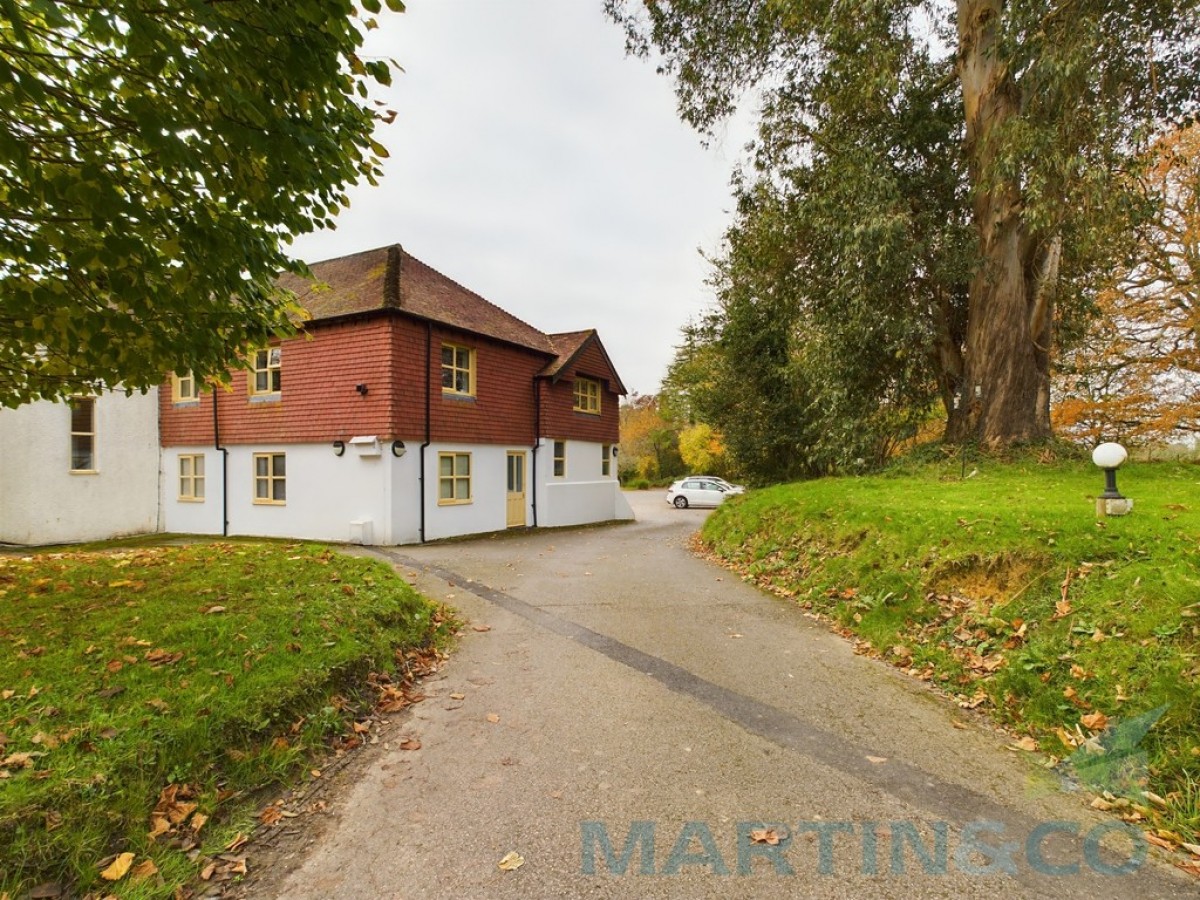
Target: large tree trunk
{"x": 1004, "y": 394}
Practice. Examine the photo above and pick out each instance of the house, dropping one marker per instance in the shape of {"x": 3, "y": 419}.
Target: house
{"x": 80, "y": 471}
{"x": 408, "y": 409}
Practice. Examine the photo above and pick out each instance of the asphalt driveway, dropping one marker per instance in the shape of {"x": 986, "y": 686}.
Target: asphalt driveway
{"x": 639, "y": 723}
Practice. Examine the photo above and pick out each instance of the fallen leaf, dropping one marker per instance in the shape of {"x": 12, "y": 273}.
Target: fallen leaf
{"x": 877, "y": 759}
{"x": 1157, "y": 841}
{"x": 493, "y": 718}
{"x": 118, "y": 869}
{"x": 1193, "y": 849}
{"x": 410, "y": 744}
{"x": 511, "y": 862}
{"x": 1026, "y": 743}
{"x": 198, "y": 821}
{"x": 237, "y": 843}
{"x": 1155, "y": 799}
{"x": 271, "y": 815}
{"x": 1096, "y": 721}
{"x": 207, "y": 872}
{"x": 765, "y": 836}
{"x": 213, "y": 610}
{"x": 143, "y": 870}
{"x": 458, "y": 696}
{"x": 481, "y": 627}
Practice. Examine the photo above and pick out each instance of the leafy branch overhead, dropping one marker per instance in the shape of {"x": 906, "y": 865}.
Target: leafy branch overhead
{"x": 156, "y": 156}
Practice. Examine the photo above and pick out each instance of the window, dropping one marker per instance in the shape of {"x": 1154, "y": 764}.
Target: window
{"x": 587, "y": 396}
{"x": 458, "y": 370}
{"x": 191, "y": 477}
{"x": 270, "y": 481}
{"x": 83, "y": 434}
{"x": 560, "y": 459}
{"x": 454, "y": 478}
{"x": 266, "y": 372}
{"x": 183, "y": 388}
{"x": 605, "y": 464}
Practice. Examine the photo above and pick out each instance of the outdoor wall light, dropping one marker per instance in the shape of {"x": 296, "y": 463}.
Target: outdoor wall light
{"x": 339, "y": 447}
{"x": 361, "y": 388}
{"x": 614, "y": 451}
{"x": 398, "y": 448}
{"x": 1109, "y": 458}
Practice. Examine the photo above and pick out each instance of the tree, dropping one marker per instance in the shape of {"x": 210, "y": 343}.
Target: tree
{"x": 1048, "y": 103}
{"x": 156, "y": 156}
{"x": 1135, "y": 377}
{"x": 701, "y": 449}
{"x": 649, "y": 443}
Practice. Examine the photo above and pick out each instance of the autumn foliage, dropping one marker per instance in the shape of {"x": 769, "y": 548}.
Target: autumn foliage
{"x": 1135, "y": 377}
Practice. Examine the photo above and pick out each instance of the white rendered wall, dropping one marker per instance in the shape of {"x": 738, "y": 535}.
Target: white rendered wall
{"x": 584, "y": 494}
{"x": 42, "y": 502}
{"x": 188, "y": 516}
{"x": 325, "y": 493}
{"x": 487, "y": 510}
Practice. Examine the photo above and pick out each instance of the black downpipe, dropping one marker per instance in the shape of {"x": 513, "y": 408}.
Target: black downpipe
{"x": 224, "y": 467}
{"x": 537, "y": 441}
{"x": 428, "y": 388}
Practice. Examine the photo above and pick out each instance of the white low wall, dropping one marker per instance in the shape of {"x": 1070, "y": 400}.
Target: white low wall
{"x": 43, "y": 502}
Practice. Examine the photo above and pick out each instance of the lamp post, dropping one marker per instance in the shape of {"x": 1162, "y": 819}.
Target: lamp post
{"x": 1109, "y": 457}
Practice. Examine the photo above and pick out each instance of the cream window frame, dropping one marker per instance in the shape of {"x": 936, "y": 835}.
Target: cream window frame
{"x": 268, "y": 362}
{"x": 192, "y": 478}
{"x": 270, "y": 478}
{"x": 586, "y": 395}
{"x": 454, "y": 478}
{"x": 559, "y": 468}
{"x": 184, "y": 389}
{"x": 454, "y": 368}
{"x": 606, "y": 460}
{"x": 77, "y": 434}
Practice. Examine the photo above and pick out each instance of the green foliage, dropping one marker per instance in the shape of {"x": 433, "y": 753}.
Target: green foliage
{"x": 937, "y": 191}
{"x": 222, "y": 666}
{"x": 1005, "y": 590}
{"x": 155, "y": 159}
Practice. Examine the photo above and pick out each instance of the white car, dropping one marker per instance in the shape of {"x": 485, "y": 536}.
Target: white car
{"x": 729, "y": 488}
{"x": 696, "y": 492}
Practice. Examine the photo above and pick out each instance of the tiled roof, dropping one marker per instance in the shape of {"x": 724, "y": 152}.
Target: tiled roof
{"x": 390, "y": 277}
{"x": 568, "y": 345}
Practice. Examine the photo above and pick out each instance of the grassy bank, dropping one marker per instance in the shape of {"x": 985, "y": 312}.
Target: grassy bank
{"x": 147, "y": 694}
{"x": 1005, "y": 590}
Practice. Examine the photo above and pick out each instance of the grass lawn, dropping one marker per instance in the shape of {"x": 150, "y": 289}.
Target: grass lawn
{"x": 1004, "y": 589}
{"x": 154, "y": 689}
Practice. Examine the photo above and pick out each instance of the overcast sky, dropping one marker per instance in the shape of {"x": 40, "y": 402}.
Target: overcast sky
{"x": 536, "y": 164}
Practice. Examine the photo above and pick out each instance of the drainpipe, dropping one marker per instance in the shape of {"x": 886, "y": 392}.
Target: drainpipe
{"x": 428, "y": 388}
{"x": 224, "y": 467}
{"x": 537, "y": 441}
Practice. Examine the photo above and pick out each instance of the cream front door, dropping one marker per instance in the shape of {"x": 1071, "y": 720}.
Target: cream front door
{"x": 516, "y": 490}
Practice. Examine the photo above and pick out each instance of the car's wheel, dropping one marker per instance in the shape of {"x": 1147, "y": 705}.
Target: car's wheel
{"x": 681, "y": 502}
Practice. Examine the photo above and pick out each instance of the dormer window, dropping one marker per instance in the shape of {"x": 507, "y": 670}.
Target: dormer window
{"x": 587, "y": 396}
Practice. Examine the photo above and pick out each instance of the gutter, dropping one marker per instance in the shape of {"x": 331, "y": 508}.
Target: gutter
{"x": 224, "y": 466}
{"x": 428, "y": 388}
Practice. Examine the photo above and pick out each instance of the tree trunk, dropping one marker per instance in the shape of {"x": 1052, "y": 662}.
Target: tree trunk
{"x": 1004, "y": 394}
